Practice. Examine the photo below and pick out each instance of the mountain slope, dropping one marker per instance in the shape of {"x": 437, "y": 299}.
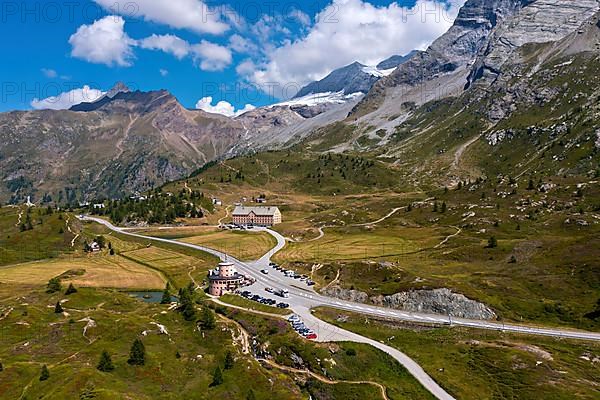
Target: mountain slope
{"x": 131, "y": 142}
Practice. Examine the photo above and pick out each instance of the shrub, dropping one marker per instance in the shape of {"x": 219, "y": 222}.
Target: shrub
{"x": 53, "y": 285}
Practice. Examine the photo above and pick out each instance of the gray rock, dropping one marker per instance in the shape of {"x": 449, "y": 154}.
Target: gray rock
{"x": 437, "y": 301}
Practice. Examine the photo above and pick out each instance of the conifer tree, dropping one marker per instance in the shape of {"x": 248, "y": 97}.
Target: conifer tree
{"x": 137, "y": 354}
{"x": 70, "y": 290}
{"x": 229, "y": 361}
{"x": 217, "y": 377}
{"x": 444, "y": 207}
{"x": 186, "y": 307}
{"x": 1, "y": 367}
{"x": 251, "y": 395}
{"x": 105, "y": 364}
{"x": 208, "y": 319}
{"x": 166, "y": 296}
{"x": 58, "y": 308}
{"x": 492, "y": 243}
{"x": 44, "y": 374}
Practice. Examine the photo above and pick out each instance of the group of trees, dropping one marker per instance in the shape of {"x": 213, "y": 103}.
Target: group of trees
{"x": 156, "y": 208}
{"x": 228, "y": 363}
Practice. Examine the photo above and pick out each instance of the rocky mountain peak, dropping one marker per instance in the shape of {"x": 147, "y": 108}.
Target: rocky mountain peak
{"x": 119, "y": 87}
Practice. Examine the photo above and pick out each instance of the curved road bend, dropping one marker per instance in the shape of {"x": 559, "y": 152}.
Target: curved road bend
{"x": 303, "y": 299}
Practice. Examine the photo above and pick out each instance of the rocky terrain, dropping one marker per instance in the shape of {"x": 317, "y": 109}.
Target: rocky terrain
{"x": 132, "y": 141}
{"x": 437, "y": 301}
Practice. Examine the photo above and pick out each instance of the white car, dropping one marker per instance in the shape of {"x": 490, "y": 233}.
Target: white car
{"x": 265, "y": 271}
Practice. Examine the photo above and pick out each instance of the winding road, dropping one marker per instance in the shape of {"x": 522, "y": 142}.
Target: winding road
{"x": 303, "y": 299}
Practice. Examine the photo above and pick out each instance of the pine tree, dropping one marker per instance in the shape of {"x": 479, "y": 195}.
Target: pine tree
{"x": 166, "y": 296}
{"x": 530, "y": 185}
{"x": 105, "y": 364}
{"x": 187, "y": 308}
{"x": 251, "y": 395}
{"x": 70, "y": 290}
{"x": 58, "y": 308}
{"x": 435, "y": 207}
{"x": 44, "y": 374}
{"x": 137, "y": 354}
{"x": 217, "y": 377}
{"x": 53, "y": 286}
{"x": 208, "y": 319}
{"x": 229, "y": 361}
{"x": 492, "y": 243}
{"x": 444, "y": 207}
{"x": 1, "y": 367}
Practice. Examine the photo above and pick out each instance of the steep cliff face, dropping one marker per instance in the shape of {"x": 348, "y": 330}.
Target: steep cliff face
{"x": 540, "y": 21}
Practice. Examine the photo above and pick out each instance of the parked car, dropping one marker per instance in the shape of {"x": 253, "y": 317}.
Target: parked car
{"x": 265, "y": 271}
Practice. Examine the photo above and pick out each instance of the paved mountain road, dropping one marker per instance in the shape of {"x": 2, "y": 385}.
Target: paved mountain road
{"x": 303, "y": 299}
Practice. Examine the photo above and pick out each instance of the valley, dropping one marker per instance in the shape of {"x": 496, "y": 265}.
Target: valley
{"x": 421, "y": 226}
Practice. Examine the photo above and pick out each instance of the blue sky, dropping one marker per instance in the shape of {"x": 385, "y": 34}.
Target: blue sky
{"x": 239, "y": 52}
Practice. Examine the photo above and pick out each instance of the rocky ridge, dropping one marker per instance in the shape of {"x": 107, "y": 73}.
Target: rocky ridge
{"x": 436, "y": 301}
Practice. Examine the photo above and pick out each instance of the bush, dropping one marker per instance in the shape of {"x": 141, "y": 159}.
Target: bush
{"x": 492, "y": 243}
{"x": 351, "y": 352}
{"x": 53, "y": 285}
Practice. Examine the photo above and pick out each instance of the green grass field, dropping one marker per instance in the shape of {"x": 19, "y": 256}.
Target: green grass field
{"x": 473, "y": 364}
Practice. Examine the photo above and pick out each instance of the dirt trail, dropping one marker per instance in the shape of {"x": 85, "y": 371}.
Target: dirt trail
{"x": 20, "y": 218}
{"x": 443, "y": 242}
{"x": 76, "y": 235}
{"x": 394, "y": 211}
{"x": 227, "y": 209}
{"x": 324, "y": 379}
{"x": 337, "y": 278}
{"x": 463, "y": 147}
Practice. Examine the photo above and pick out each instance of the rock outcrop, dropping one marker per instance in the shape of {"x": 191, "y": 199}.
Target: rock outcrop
{"x": 436, "y": 301}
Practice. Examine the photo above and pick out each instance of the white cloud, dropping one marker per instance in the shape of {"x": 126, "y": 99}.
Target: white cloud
{"x": 163, "y": 72}
{"x": 193, "y": 15}
{"x": 240, "y": 44}
{"x": 222, "y": 107}
{"x": 348, "y": 31}
{"x": 68, "y": 99}
{"x": 103, "y": 42}
{"x": 299, "y": 16}
{"x": 245, "y": 68}
{"x": 49, "y": 73}
{"x": 167, "y": 43}
{"x": 212, "y": 57}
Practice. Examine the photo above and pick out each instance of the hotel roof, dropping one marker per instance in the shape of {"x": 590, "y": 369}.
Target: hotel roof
{"x": 259, "y": 211}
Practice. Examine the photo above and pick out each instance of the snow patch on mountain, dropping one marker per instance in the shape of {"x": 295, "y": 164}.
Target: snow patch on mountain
{"x": 320, "y": 98}
{"x": 372, "y": 70}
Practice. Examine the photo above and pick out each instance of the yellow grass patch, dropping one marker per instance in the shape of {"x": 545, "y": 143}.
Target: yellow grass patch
{"x": 100, "y": 271}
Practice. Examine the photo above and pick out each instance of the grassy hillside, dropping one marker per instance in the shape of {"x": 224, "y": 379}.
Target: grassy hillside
{"x": 473, "y": 364}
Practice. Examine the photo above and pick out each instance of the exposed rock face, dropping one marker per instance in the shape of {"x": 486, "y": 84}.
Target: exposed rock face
{"x": 395, "y": 61}
{"x": 437, "y": 301}
{"x": 349, "y": 79}
{"x": 115, "y": 146}
{"x": 539, "y": 21}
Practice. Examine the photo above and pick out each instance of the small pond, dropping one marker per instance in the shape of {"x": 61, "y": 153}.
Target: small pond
{"x": 149, "y": 297}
